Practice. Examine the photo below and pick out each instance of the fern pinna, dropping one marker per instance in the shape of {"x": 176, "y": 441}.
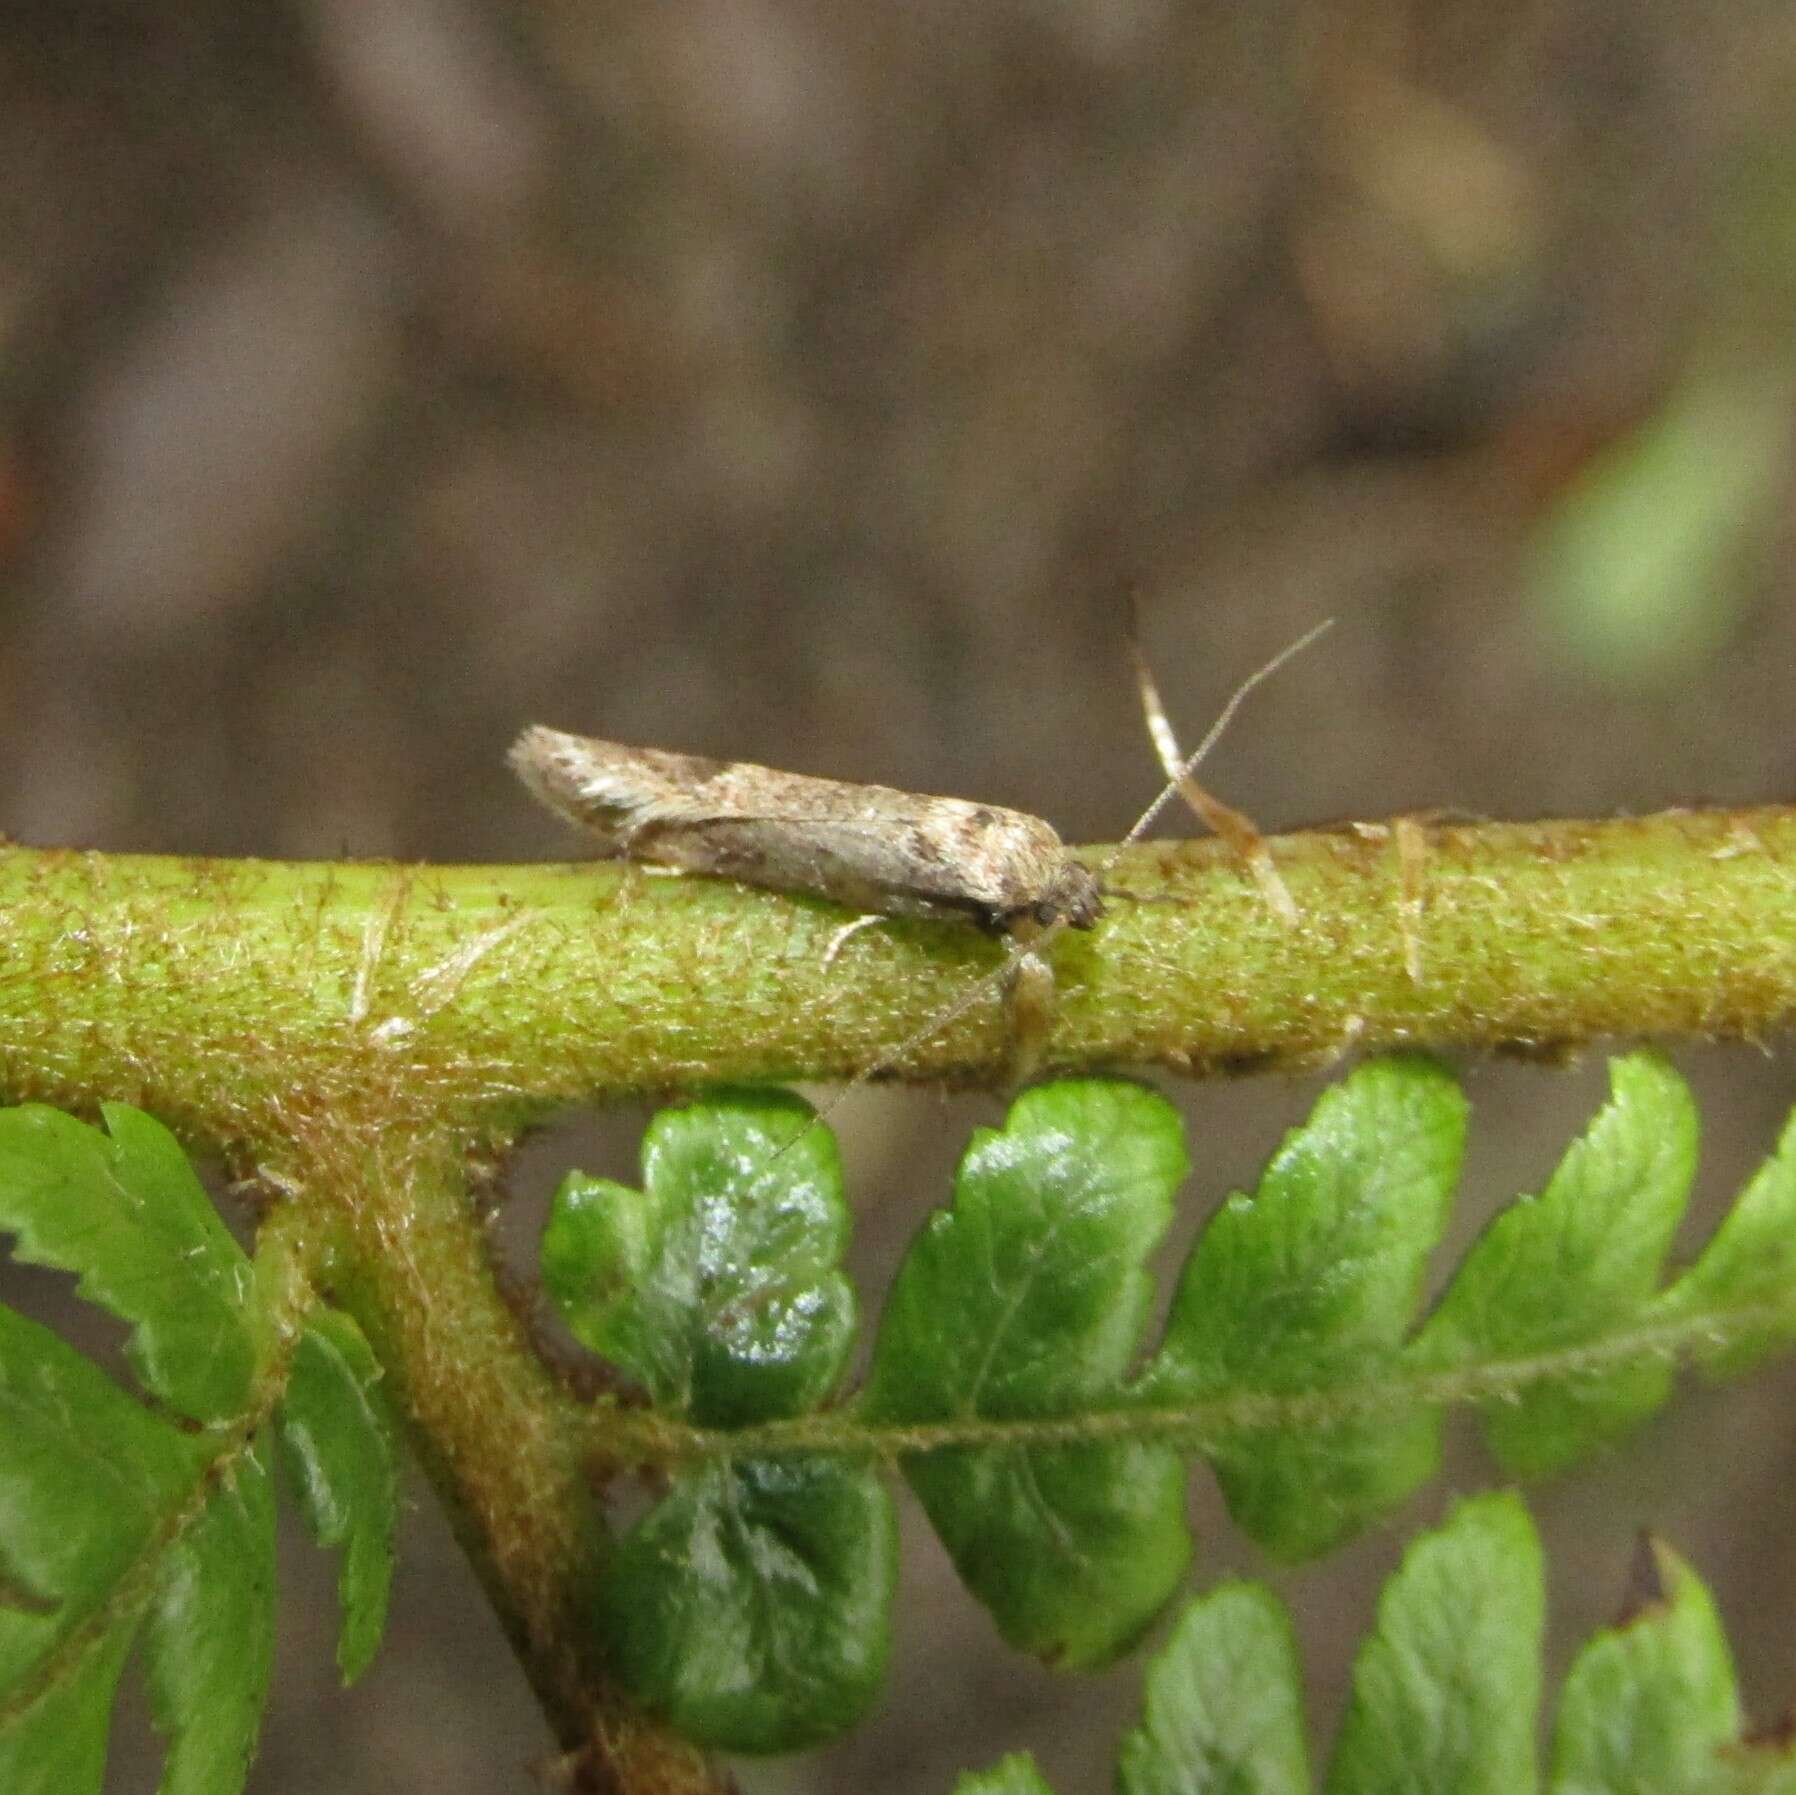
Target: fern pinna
{"x": 1013, "y": 1383}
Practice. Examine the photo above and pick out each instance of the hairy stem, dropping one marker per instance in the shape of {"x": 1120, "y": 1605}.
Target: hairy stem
{"x": 489, "y": 1425}
{"x": 226, "y": 995}
{"x": 1396, "y": 1387}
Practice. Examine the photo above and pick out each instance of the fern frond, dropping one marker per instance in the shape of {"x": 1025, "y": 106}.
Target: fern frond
{"x": 1007, "y": 1378}
{"x": 123, "y": 1525}
{"x": 1446, "y": 1690}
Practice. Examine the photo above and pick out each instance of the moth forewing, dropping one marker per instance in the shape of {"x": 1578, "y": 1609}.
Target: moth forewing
{"x": 870, "y": 847}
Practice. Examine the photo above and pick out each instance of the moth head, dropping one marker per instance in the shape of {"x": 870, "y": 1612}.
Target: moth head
{"x": 1074, "y": 896}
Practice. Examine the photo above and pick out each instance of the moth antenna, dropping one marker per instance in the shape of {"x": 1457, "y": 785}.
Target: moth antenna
{"x": 1181, "y": 771}
{"x": 1232, "y": 826}
{"x": 1189, "y": 765}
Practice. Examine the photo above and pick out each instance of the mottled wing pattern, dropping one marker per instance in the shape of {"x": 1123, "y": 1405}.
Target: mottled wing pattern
{"x": 869, "y": 846}
{"x": 611, "y": 791}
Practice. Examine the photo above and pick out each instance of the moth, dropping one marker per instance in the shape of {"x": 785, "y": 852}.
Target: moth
{"x": 871, "y": 848}
{"x": 875, "y": 849}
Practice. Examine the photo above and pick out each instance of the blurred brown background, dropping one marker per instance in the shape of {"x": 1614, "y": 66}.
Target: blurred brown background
{"x": 804, "y": 383}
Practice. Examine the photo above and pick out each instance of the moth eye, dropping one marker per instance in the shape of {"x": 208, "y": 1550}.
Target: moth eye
{"x": 1046, "y": 912}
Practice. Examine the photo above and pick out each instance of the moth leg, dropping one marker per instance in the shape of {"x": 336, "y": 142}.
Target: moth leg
{"x": 845, "y": 934}
{"x": 1030, "y": 996}
{"x": 1029, "y": 1001}
{"x": 1029, "y": 1006}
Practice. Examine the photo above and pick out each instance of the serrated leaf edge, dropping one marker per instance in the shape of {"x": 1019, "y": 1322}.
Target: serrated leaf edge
{"x": 285, "y": 1290}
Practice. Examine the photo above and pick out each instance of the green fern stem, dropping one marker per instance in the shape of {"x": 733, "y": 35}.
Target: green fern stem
{"x": 235, "y": 996}
{"x": 402, "y": 1252}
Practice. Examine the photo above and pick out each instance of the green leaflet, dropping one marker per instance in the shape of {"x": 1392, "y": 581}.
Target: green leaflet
{"x": 717, "y": 1284}
{"x": 1446, "y": 1690}
{"x": 1074, "y": 1549}
{"x": 1651, "y": 1705}
{"x": 1028, "y": 1300}
{"x": 1558, "y": 1271}
{"x": 752, "y": 1605}
{"x": 1748, "y": 1268}
{"x": 336, "y": 1439}
{"x": 57, "y": 1745}
{"x": 1223, "y": 1708}
{"x": 88, "y": 1479}
{"x": 118, "y": 1523}
{"x": 124, "y": 1211}
{"x": 210, "y": 1638}
{"x": 1310, "y": 1285}
{"x": 92, "y": 1489}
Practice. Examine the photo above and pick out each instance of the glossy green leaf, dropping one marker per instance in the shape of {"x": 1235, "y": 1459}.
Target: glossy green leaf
{"x": 1445, "y": 1692}
{"x": 1651, "y": 1705}
{"x": 1074, "y": 1549}
{"x": 88, "y": 1481}
{"x": 1027, "y": 1300}
{"x": 209, "y": 1642}
{"x": 752, "y": 1606}
{"x": 717, "y": 1284}
{"x": 114, "y": 1518}
{"x": 1309, "y": 1286}
{"x": 1560, "y": 1270}
{"x": 1223, "y": 1711}
{"x": 1748, "y": 1270}
{"x": 1012, "y": 1775}
{"x": 124, "y": 1210}
{"x": 57, "y": 1745}
{"x": 337, "y": 1443}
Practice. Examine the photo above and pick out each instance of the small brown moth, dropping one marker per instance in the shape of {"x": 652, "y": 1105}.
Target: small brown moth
{"x": 870, "y": 847}
{"x": 875, "y": 849}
